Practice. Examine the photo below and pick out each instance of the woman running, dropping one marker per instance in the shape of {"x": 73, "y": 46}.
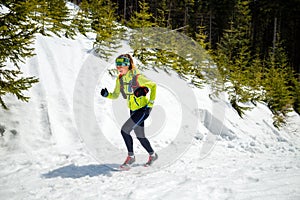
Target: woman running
{"x": 134, "y": 87}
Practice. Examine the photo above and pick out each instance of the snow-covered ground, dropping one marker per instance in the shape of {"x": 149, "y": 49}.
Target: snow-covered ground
{"x": 47, "y": 152}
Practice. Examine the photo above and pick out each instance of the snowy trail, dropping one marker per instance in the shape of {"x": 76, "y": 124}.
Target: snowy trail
{"x": 42, "y": 156}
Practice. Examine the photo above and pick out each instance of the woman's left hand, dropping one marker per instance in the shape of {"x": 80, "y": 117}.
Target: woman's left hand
{"x": 141, "y": 91}
{"x": 148, "y": 109}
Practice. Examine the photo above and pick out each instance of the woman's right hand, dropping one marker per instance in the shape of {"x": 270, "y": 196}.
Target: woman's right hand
{"x": 104, "y": 92}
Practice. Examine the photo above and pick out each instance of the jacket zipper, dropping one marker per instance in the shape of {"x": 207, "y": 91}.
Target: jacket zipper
{"x": 136, "y": 101}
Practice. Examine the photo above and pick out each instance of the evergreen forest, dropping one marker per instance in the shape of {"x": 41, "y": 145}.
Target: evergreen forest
{"x": 253, "y": 43}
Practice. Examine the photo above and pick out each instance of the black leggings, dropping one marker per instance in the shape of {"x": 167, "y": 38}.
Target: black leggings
{"x": 136, "y": 123}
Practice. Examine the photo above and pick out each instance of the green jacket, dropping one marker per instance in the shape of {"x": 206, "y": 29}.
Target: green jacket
{"x": 134, "y": 102}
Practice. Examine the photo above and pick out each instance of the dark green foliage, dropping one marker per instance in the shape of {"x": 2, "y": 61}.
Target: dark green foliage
{"x": 162, "y": 15}
{"x": 279, "y": 96}
{"x": 15, "y": 44}
{"x": 17, "y": 29}
{"x": 247, "y": 78}
{"x": 160, "y": 48}
{"x": 11, "y": 82}
{"x": 50, "y": 16}
{"x": 17, "y": 34}
{"x": 57, "y": 16}
{"x": 288, "y": 24}
{"x": 296, "y": 91}
{"x": 82, "y": 20}
{"x": 215, "y": 15}
{"x": 233, "y": 58}
{"x": 238, "y": 33}
{"x": 141, "y": 20}
{"x": 104, "y": 23}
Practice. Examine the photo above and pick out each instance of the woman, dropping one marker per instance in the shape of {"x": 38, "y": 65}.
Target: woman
{"x": 133, "y": 86}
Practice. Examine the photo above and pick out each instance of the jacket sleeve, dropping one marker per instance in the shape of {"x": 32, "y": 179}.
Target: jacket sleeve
{"x": 143, "y": 81}
{"x": 115, "y": 94}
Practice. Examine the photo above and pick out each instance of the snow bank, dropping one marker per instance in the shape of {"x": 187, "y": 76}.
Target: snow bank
{"x": 44, "y": 156}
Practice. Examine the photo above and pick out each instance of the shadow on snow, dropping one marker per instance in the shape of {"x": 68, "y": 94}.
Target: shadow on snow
{"x": 73, "y": 171}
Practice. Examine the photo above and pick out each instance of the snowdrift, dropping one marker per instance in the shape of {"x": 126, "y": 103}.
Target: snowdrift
{"x": 47, "y": 154}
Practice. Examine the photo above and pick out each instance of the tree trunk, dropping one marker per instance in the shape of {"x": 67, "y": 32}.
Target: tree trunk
{"x": 274, "y": 34}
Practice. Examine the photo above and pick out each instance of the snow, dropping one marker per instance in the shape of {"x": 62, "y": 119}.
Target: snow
{"x": 4, "y": 10}
{"x": 52, "y": 147}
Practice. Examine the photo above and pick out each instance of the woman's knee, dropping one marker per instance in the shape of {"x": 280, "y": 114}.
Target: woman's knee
{"x": 125, "y": 130}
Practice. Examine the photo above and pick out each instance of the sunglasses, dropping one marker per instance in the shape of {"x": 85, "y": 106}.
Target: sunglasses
{"x": 122, "y": 62}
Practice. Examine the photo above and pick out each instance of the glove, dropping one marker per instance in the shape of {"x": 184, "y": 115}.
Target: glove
{"x": 104, "y": 92}
{"x": 141, "y": 91}
{"x": 148, "y": 110}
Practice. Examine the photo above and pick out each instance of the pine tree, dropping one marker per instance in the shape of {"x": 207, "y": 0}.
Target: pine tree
{"x": 140, "y": 21}
{"x": 16, "y": 36}
{"x": 143, "y": 18}
{"x": 104, "y": 23}
{"x": 156, "y": 47}
{"x": 51, "y": 16}
{"x": 211, "y": 75}
{"x": 296, "y": 91}
{"x": 58, "y": 16}
{"x": 38, "y": 14}
{"x": 233, "y": 58}
{"x": 161, "y": 19}
{"x": 82, "y": 19}
{"x": 255, "y": 76}
{"x": 279, "y": 94}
